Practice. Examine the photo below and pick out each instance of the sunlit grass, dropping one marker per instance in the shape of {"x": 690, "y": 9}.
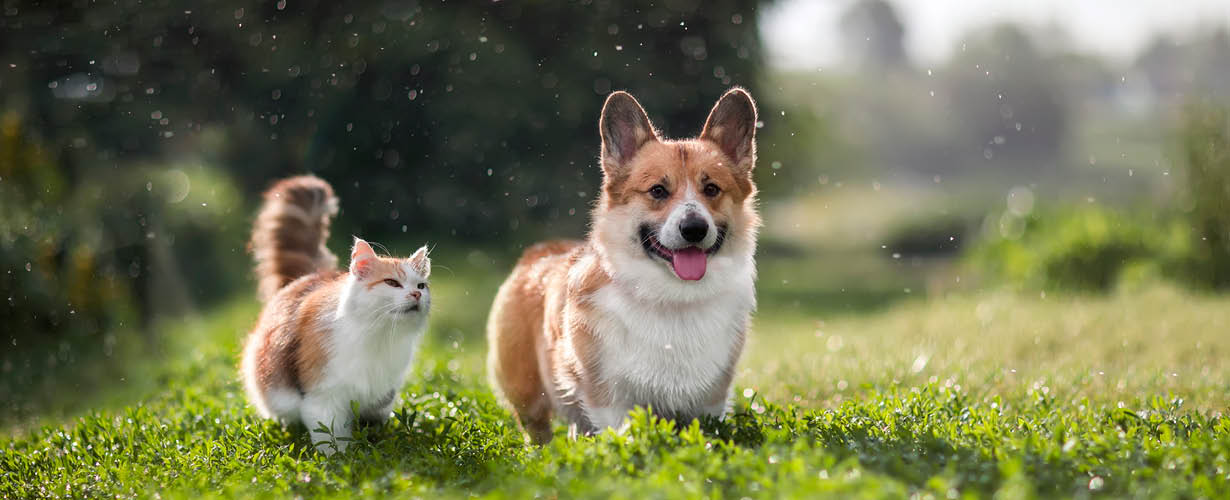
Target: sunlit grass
{"x": 1119, "y": 348}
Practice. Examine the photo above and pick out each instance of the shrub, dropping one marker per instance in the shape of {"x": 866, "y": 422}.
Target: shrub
{"x": 1082, "y": 249}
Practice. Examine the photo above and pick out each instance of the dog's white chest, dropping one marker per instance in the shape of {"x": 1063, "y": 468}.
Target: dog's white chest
{"x": 670, "y": 357}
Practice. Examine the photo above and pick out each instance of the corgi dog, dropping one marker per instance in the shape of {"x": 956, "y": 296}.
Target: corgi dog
{"x": 652, "y": 309}
{"x": 328, "y": 338}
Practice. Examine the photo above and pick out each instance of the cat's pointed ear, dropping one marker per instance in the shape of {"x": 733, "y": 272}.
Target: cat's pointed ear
{"x": 421, "y": 262}
{"x": 361, "y": 257}
{"x": 624, "y": 127}
{"x": 732, "y": 127}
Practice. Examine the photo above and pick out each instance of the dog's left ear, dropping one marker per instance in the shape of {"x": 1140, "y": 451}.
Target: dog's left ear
{"x": 732, "y": 127}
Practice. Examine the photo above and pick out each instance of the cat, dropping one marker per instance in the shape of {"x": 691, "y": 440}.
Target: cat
{"x": 327, "y": 338}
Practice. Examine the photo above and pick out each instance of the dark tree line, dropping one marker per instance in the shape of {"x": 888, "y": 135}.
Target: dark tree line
{"x": 137, "y": 133}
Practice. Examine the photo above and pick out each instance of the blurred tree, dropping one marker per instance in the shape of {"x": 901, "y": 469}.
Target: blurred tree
{"x": 1008, "y": 106}
{"x": 469, "y": 119}
{"x": 1161, "y": 62}
{"x": 1211, "y": 68}
{"x": 874, "y": 35}
{"x": 1206, "y": 149}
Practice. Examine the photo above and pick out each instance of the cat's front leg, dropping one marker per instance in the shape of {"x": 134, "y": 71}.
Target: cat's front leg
{"x": 379, "y": 410}
{"x": 329, "y": 424}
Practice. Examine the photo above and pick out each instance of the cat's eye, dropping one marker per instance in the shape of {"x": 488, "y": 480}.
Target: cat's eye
{"x": 422, "y": 286}
{"x": 659, "y": 192}
{"x": 393, "y": 283}
{"x": 712, "y": 190}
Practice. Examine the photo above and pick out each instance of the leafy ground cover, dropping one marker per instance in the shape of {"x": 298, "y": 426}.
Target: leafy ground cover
{"x": 949, "y": 397}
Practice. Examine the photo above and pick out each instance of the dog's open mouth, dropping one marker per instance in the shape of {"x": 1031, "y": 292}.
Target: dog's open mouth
{"x": 689, "y": 262}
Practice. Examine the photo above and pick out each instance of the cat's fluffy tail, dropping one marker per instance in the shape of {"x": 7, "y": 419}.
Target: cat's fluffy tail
{"x": 288, "y": 237}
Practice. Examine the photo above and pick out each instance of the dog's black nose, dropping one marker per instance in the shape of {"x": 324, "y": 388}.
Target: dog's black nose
{"x": 693, "y": 229}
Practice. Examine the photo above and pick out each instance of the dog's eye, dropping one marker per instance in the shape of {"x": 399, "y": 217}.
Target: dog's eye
{"x": 422, "y": 286}
{"x": 659, "y": 192}
{"x": 392, "y": 283}
{"x": 712, "y": 190}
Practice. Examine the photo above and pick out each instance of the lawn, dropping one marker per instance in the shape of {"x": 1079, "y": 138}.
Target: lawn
{"x": 964, "y": 395}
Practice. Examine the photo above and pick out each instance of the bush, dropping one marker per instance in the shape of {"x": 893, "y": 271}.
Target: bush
{"x": 1082, "y": 249}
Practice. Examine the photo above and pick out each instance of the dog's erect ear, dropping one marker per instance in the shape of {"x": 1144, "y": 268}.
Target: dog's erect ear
{"x": 624, "y": 127}
{"x": 732, "y": 126}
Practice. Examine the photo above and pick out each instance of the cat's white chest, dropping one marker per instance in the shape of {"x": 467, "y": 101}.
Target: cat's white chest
{"x": 366, "y": 366}
{"x": 668, "y": 357}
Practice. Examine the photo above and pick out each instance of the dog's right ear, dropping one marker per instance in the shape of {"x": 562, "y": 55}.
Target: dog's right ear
{"x": 624, "y": 127}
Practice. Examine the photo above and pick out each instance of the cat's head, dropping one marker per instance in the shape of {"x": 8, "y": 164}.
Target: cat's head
{"x": 388, "y": 286}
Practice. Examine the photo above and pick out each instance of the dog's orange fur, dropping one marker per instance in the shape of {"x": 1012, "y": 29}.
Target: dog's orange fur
{"x": 539, "y": 329}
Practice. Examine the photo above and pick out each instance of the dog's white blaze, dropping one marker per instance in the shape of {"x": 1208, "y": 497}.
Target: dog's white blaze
{"x": 669, "y": 234}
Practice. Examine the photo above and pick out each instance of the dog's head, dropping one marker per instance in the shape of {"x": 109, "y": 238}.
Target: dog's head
{"x": 685, "y": 208}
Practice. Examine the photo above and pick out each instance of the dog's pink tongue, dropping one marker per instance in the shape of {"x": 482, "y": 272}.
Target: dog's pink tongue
{"x": 689, "y": 263}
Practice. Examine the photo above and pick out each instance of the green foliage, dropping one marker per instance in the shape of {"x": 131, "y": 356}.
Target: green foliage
{"x": 62, "y": 288}
{"x": 1084, "y": 248}
{"x": 476, "y": 117}
{"x": 86, "y": 264}
{"x": 1206, "y": 147}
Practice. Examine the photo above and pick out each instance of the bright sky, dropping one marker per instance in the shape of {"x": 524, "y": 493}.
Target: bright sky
{"x": 805, "y": 33}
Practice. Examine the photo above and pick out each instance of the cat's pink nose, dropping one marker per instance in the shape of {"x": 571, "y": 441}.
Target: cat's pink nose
{"x": 416, "y": 294}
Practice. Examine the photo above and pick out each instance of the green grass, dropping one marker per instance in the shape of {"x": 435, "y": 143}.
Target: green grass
{"x": 962, "y": 396}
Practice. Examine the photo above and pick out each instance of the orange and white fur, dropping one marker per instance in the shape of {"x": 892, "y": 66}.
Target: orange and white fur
{"x": 326, "y": 337}
{"x": 652, "y": 309}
